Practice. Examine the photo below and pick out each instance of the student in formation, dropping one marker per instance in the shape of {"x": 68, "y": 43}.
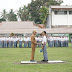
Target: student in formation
{"x": 29, "y": 41}
{"x": 25, "y": 42}
{"x": 20, "y": 42}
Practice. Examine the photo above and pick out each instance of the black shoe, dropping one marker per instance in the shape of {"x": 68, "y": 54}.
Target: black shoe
{"x": 32, "y": 61}
{"x": 46, "y": 60}
{"x": 43, "y": 60}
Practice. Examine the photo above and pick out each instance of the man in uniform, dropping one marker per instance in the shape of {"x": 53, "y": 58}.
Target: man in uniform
{"x": 44, "y": 41}
{"x": 33, "y": 45}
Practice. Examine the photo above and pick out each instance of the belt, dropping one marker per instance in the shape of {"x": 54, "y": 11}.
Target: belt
{"x": 43, "y": 44}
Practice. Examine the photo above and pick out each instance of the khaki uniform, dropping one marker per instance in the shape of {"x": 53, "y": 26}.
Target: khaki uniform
{"x": 33, "y": 45}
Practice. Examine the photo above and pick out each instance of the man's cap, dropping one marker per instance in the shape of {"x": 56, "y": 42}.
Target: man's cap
{"x": 34, "y": 31}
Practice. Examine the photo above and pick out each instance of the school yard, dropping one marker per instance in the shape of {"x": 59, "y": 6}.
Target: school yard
{"x": 10, "y": 60}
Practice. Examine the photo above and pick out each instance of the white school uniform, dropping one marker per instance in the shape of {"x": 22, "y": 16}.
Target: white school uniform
{"x": 44, "y": 40}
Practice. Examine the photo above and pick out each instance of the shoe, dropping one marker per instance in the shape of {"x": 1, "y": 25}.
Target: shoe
{"x": 32, "y": 60}
{"x": 46, "y": 60}
{"x": 43, "y": 60}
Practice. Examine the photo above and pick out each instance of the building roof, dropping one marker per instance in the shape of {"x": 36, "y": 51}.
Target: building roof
{"x": 62, "y": 7}
{"x": 16, "y": 27}
{"x": 28, "y": 27}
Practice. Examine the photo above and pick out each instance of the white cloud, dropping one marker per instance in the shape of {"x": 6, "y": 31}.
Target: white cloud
{"x": 12, "y": 4}
{"x": 67, "y": 2}
{"x": 15, "y": 4}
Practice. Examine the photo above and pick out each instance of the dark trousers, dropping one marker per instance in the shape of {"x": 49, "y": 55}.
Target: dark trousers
{"x": 20, "y": 44}
{"x": 29, "y": 44}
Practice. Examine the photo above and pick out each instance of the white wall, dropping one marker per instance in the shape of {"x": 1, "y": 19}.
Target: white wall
{"x": 69, "y": 19}
{"x": 61, "y": 19}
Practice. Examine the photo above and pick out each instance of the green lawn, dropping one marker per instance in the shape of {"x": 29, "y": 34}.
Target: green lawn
{"x": 8, "y": 57}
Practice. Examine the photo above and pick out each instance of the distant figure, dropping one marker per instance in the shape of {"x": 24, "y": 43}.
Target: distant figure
{"x": 71, "y": 40}
{"x": 25, "y": 41}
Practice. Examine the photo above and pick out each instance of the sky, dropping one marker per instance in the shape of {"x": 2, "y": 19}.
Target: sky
{"x": 15, "y": 4}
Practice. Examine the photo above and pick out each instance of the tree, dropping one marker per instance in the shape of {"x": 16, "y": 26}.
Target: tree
{"x": 11, "y": 16}
{"x": 34, "y": 9}
{"x": 36, "y": 5}
{"x": 44, "y": 14}
{"x": 2, "y": 20}
{"x": 23, "y": 13}
{"x": 4, "y": 15}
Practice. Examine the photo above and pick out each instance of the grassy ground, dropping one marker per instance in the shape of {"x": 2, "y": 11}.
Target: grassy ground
{"x": 8, "y": 57}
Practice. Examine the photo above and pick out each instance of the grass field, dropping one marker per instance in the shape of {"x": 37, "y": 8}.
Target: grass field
{"x": 9, "y": 57}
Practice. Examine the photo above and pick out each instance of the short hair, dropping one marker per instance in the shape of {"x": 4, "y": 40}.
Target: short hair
{"x": 44, "y": 32}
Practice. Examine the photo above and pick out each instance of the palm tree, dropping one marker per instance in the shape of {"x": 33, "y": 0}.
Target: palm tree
{"x": 4, "y": 14}
{"x": 23, "y": 13}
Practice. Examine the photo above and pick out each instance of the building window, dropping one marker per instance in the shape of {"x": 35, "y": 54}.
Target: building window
{"x": 60, "y": 12}
{"x": 70, "y": 12}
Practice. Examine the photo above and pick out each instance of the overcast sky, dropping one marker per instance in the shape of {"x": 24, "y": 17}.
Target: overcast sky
{"x": 15, "y": 4}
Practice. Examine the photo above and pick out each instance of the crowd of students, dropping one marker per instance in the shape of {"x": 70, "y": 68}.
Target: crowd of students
{"x": 9, "y": 42}
{"x": 58, "y": 41}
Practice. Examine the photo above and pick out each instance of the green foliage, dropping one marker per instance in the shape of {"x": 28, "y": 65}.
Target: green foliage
{"x": 11, "y": 16}
{"x": 44, "y": 14}
{"x": 36, "y": 11}
{"x": 4, "y": 14}
{"x": 2, "y": 20}
{"x": 35, "y": 7}
{"x": 23, "y": 13}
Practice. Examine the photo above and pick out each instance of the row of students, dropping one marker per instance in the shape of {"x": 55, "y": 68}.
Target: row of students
{"x": 26, "y": 41}
{"x": 58, "y": 41}
{"x": 6, "y": 42}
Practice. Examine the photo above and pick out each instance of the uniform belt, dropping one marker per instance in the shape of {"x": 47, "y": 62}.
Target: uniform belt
{"x": 43, "y": 44}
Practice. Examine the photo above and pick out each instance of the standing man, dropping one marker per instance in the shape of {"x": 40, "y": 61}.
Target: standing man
{"x": 0, "y": 42}
{"x": 61, "y": 41}
{"x": 20, "y": 42}
{"x": 44, "y": 41}
{"x": 25, "y": 41}
{"x": 14, "y": 42}
{"x": 71, "y": 40}
{"x": 67, "y": 41}
{"x": 29, "y": 42}
{"x": 33, "y": 45}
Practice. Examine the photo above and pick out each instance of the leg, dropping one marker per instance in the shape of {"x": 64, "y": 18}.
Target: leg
{"x": 32, "y": 53}
{"x": 45, "y": 53}
{"x": 20, "y": 44}
{"x": 0, "y": 44}
{"x": 29, "y": 44}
